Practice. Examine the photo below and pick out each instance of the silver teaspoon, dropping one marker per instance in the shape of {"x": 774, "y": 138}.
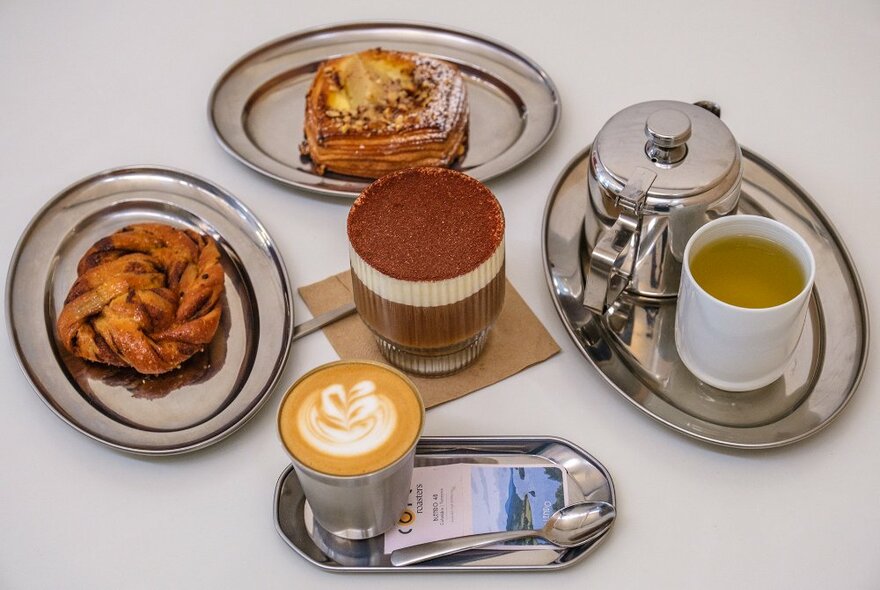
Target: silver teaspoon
{"x": 321, "y": 321}
{"x": 567, "y": 527}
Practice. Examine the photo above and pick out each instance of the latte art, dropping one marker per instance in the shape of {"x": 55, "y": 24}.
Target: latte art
{"x": 350, "y": 418}
{"x": 348, "y": 423}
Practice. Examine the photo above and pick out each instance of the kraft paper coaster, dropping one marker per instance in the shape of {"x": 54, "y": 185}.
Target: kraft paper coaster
{"x": 516, "y": 341}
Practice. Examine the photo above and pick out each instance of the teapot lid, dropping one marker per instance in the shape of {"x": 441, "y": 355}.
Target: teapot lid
{"x": 689, "y": 148}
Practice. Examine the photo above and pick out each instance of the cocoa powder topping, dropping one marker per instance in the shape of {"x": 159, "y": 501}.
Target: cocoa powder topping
{"x": 425, "y": 224}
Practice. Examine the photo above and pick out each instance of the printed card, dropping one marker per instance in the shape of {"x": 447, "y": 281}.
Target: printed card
{"x": 466, "y": 498}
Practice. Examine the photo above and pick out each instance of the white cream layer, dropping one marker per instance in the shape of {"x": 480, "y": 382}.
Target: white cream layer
{"x": 427, "y": 293}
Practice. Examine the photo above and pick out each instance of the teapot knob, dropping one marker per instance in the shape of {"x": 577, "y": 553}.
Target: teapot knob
{"x": 668, "y": 131}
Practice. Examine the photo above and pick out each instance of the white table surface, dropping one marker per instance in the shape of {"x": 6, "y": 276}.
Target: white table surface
{"x": 86, "y": 86}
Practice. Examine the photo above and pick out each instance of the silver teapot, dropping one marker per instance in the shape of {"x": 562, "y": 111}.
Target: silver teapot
{"x": 659, "y": 171}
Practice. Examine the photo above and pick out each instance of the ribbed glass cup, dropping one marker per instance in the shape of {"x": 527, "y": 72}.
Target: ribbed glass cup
{"x": 431, "y": 340}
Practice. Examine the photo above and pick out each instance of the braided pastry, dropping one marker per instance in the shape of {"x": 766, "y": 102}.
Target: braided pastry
{"x": 146, "y": 297}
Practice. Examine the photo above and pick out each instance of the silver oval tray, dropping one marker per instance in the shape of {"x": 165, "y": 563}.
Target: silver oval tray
{"x": 214, "y": 392}
{"x": 634, "y": 349}
{"x": 257, "y": 106}
{"x": 588, "y": 480}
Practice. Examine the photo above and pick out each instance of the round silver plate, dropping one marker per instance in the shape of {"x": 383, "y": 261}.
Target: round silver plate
{"x": 257, "y": 106}
{"x": 633, "y": 347}
{"x": 214, "y": 392}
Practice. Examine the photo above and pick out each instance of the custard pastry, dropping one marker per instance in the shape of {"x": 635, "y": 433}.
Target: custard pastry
{"x": 146, "y": 297}
{"x": 378, "y": 111}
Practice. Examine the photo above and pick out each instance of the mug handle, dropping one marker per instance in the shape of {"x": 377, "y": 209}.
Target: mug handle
{"x": 613, "y": 257}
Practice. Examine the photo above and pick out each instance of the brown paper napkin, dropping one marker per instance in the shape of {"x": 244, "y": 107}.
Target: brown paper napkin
{"x": 518, "y": 340}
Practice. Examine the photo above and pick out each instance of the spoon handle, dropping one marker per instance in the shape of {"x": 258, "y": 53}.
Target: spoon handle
{"x": 434, "y": 549}
{"x": 325, "y": 319}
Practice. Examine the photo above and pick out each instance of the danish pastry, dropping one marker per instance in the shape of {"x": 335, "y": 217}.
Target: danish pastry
{"x": 147, "y": 297}
{"x": 378, "y": 111}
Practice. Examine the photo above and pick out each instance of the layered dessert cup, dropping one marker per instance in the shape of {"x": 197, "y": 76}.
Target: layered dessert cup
{"x": 427, "y": 261}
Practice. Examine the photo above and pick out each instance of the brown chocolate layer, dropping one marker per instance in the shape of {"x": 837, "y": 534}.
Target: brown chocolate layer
{"x": 425, "y": 224}
{"x": 430, "y": 327}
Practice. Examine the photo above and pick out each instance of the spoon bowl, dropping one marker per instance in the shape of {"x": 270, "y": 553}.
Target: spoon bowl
{"x": 574, "y": 525}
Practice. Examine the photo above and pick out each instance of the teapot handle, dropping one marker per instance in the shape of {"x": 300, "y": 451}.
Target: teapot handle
{"x": 613, "y": 257}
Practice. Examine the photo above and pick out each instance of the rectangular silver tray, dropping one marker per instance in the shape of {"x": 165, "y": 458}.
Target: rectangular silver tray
{"x": 588, "y": 480}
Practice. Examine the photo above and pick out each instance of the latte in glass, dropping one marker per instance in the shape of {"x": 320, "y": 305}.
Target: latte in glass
{"x": 350, "y": 418}
{"x": 351, "y": 429}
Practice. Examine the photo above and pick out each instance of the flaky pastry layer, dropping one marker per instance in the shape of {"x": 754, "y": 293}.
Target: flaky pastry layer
{"x": 370, "y": 113}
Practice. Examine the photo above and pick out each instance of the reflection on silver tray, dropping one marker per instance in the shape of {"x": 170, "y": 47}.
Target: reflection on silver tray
{"x": 215, "y": 391}
{"x": 633, "y": 347}
{"x": 588, "y": 480}
{"x": 256, "y": 109}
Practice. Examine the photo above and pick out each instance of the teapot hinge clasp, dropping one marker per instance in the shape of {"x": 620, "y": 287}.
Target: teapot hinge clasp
{"x": 613, "y": 257}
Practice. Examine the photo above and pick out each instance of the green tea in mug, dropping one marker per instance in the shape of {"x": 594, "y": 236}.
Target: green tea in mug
{"x": 747, "y": 271}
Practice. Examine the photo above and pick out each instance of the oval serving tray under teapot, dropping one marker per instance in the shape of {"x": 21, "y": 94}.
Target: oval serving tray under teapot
{"x": 632, "y": 345}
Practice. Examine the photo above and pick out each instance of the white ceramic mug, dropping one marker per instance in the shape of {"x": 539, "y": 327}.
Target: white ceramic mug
{"x": 738, "y": 348}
